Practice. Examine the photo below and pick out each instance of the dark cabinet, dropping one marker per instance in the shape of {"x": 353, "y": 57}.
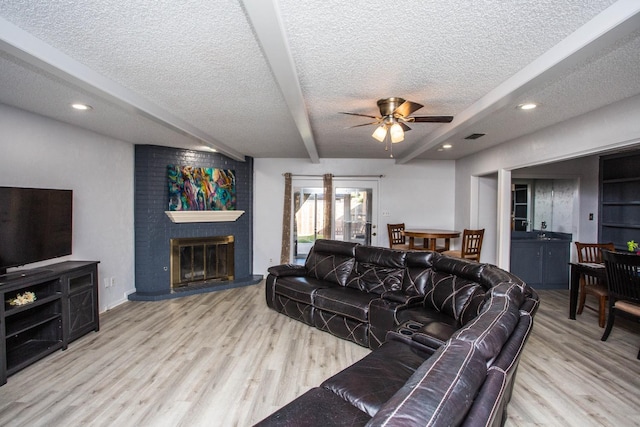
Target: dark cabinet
{"x": 43, "y": 310}
{"x": 82, "y": 315}
{"x": 543, "y": 264}
{"x": 620, "y": 199}
{"x": 31, "y": 329}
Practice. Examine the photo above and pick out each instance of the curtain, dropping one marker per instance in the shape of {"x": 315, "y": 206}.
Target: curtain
{"x": 327, "y": 183}
{"x": 285, "y": 253}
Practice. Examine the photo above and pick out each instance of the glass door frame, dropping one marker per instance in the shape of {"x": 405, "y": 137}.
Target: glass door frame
{"x": 299, "y": 183}
{"x": 362, "y": 183}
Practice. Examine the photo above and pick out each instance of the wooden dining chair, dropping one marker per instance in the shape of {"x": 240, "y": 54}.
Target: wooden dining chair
{"x": 623, "y": 284}
{"x": 397, "y": 240}
{"x": 470, "y": 247}
{"x": 589, "y": 285}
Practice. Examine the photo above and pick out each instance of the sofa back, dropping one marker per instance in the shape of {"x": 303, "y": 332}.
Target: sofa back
{"x": 455, "y": 296}
{"x": 377, "y": 270}
{"x": 331, "y": 260}
{"x": 417, "y": 277}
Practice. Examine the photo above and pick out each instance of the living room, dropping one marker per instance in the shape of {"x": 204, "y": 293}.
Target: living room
{"x": 51, "y": 152}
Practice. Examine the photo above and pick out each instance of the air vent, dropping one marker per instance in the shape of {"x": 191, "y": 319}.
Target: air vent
{"x": 475, "y": 135}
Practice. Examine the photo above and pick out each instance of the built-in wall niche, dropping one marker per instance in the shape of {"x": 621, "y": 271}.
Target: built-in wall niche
{"x": 543, "y": 204}
{"x": 620, "y": 199}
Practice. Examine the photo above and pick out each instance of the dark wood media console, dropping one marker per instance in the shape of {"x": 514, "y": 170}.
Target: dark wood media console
{"x": 64, "y": 309}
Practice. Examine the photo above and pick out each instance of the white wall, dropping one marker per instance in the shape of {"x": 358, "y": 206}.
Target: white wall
{"x": 39, "y": 152}
{"x": 418, "y": 194}
{"x": 610, "y": 127}
{"x": 486, "y": 215}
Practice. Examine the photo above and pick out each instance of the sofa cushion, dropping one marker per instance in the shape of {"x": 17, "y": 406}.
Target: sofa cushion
{"x": 497, "y": 320}
{"x": 369, "y": 383}
{"x": 450, "y": 294}
{"x": 440, "y": 392}
{"x": 331, "y": 261}
{"x": 473, "y": 306}
{"x": 318, "y": 407}
{"x": 417, "y": 277}
{"x": 299, "y": 288}
{"x": 377, "y": 270}
{"x": 346, "y": 302}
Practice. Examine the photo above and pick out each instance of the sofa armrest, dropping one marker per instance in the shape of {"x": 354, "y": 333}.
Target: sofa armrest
{"x": 402, "y": 298}
{"x": 288, "y": 270}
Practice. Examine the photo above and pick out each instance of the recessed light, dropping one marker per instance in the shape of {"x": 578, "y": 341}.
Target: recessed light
{"x": 527, "y": 106}
{"x": 81, "y": 107}
{"x": 447, "y": 146}
{"x": 207, "y": 148}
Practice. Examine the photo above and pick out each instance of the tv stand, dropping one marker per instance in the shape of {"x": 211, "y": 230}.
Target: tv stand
{"x": 7, "y": 277}
{"x": 65, "y": 308}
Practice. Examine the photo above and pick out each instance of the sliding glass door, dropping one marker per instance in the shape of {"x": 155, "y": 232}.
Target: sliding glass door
{"x": 354, "y": 214}
{"x": 355, "y": 219}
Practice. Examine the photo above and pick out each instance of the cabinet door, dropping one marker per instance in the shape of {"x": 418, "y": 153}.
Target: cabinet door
{"x": 82, "y": 303}
{"x": 82, "y": 315}
{"x": 556, "y": 265}
{"x": 526, "y": 262}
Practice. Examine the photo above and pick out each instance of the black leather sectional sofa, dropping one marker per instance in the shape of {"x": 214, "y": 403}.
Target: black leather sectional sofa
{"x": 446, "y": 334}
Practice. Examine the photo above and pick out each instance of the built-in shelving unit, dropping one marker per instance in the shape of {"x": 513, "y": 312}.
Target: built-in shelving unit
{"x": 44, "y": 309}
{"x": 620, "y": 199}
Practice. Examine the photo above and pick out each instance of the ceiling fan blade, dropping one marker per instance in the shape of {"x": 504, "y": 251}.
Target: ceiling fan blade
{"x": 407, "y": 107}
{"x": 361, "y": 115}
{"x": 404, "y": 126}
{"x": 432, "y": 119}
{"x": 364, "y": 124}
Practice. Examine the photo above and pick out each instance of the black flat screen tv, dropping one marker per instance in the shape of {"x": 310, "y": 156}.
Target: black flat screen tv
{"x": 35, "y": 225}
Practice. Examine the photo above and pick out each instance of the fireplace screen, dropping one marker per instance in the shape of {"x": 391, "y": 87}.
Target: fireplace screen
{"x": 201, "y": 259}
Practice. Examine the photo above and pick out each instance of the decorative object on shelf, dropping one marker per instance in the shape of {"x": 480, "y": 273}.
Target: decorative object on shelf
{"x": 201, "y": 189}
{"x": 23, "y": 299}
{"x": 632, "y": 246}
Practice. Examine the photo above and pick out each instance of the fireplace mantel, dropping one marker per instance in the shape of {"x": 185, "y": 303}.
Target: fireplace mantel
{"x": 203, "y": 216}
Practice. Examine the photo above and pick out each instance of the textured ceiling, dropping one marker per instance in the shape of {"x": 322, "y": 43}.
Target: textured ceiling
{"x": 267, "y": 79}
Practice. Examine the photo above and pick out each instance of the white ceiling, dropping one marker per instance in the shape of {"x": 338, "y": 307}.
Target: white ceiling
{"x": 268, "y": 78}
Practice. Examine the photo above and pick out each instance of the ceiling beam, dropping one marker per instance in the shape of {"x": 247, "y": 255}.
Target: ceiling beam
{"x": 267, "y": 25}
{"x": 617, "y": 21}
{"x": 34, "y": 51}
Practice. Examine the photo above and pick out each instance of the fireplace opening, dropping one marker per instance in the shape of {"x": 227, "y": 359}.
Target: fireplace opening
{"x": 201, "y": 260}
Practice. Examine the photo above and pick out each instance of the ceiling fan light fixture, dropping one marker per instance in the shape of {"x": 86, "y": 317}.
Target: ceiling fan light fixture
{"x": 380, "y": 133}
{"x": 397, "y": 133}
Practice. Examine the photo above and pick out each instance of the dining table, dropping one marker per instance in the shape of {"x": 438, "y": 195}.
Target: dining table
{"x": 577, "y": 268}
{"x": 430, "y": 236}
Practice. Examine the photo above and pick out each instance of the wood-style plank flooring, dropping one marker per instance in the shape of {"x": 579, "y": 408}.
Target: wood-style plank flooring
{"x": 225, "y": 359}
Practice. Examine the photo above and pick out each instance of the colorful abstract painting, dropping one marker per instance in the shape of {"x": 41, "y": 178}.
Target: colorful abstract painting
{"x": 201, "y": 189}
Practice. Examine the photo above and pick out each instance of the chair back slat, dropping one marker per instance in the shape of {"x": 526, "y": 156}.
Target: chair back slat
{"x": 623, "y": 276}
{"x": 472, "y": 243}
{"x": 396, "y": 236}
{"x": 592, "y": 252}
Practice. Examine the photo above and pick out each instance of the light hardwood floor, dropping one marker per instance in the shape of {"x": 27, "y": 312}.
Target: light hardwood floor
{"x": 225, "y": 359}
